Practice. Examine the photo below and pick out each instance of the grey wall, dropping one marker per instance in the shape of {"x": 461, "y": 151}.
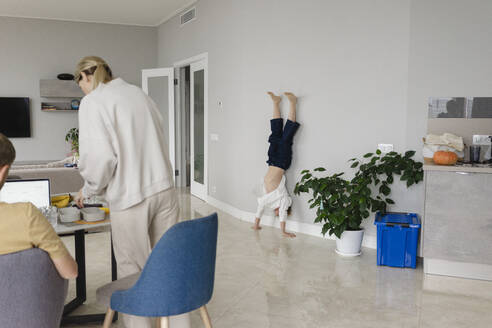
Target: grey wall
{"x": 347, "y": 60}
{"x": 32, "y": 49}
{"x": 450, "y": 54}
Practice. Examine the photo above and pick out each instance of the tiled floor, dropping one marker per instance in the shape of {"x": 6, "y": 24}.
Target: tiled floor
{"x": 264, "y": 280}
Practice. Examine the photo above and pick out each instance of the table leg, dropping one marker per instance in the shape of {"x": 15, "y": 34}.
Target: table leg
{"x": 114, "y": 272}
{"x": 81, "y": 285}
{"x": 81, "y": 282}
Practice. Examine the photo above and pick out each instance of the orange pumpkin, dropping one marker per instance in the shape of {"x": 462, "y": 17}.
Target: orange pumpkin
{"x": 445, "y": 158}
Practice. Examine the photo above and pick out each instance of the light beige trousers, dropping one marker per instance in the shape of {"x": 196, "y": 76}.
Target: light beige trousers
{"x": 135, "y": 231}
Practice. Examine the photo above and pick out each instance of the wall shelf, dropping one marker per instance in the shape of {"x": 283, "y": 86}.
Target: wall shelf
{"x": 58, "y": 95}
{"x": 59, "y": 89}
{"x": 60, "y": 110}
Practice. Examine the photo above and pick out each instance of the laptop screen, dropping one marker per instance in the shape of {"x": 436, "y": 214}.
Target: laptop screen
{"x": 34, "y": 191}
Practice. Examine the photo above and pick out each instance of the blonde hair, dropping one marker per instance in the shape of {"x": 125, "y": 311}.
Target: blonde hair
{"x": 95, "y": 66}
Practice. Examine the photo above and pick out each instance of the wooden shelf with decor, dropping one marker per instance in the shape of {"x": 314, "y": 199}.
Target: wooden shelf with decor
{"x": 57, "y": 106}
{"x": 58, "y": 95}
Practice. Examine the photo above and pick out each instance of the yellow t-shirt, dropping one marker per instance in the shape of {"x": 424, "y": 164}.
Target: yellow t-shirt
{"x": 22, "y": 226}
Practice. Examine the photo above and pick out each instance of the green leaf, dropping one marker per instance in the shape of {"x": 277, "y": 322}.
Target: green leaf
{"x": 320, "y": 169}
{"x": 409, "y": 153}
{"x": 385, "y": 190}
{"x": 304, "y": 171}
{"x": 378, "y": 152}
{"x": 368, "y": 155}
{"x": 306, "y": 176}
{"x": 354, "y": 164}
{"x": 389, "y": 201}
{"x": 325, "y": 228}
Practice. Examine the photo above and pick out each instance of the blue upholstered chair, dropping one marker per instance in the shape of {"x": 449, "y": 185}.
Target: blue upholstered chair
{"x": 32, "y": 293}
{"x": 177, "y": 278}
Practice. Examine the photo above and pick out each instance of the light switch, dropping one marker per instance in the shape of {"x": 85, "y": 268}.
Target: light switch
{"x": 385, "y": 148}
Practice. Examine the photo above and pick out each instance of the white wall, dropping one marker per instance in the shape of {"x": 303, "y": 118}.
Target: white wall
{"x": 32, "y": 49}
{"x": 347, "y": 60}
{"x": 450, "y": 55}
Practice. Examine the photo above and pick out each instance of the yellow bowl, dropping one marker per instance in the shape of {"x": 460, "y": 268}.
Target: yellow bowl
{"x": 60, "y": 201}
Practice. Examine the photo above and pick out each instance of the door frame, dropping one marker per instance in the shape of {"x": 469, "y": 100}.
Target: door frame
{"x": 183, "y": 63}
{"x": 165, "y": 72}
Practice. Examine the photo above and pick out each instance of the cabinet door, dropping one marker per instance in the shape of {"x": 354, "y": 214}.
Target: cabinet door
{"x": 458, "y": 217}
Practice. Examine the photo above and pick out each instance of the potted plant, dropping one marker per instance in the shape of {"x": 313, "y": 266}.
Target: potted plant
{"x": 342, "y": 204}
{"x": 73, "y": 138}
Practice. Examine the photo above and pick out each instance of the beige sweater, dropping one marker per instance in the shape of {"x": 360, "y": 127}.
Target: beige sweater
{"x": 123, "y": 149}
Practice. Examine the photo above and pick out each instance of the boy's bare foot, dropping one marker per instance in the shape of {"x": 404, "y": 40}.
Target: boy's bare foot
{"x": 255, "y": 227}
{"x": 292, "y": 98}
{"x": 288, "y": 234}
{"x": 276, "y": 99}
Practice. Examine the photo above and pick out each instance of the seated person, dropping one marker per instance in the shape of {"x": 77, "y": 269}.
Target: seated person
{"x": 22, "y": 226}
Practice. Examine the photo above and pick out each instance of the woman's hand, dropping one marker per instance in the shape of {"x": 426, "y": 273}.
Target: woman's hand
{"x": 79, "y": 199}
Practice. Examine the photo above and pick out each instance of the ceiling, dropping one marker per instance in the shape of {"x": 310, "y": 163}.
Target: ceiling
{"x": 127, "y": 12}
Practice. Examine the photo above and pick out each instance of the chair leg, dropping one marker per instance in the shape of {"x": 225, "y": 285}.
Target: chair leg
{"x": 108, "y": 319}
{"x": 158, "y": 322}
{"x": 164, "y": 322}
{"x": 205, "y": 317}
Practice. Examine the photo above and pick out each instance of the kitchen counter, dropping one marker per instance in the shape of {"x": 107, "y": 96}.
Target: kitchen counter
{"x": 457, "y": 227}
{"x": 466, "y": 168}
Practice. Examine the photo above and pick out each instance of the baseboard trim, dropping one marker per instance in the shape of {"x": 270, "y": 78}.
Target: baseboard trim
{"x": 458, "y": 269}
{"x": 292, "y": 224}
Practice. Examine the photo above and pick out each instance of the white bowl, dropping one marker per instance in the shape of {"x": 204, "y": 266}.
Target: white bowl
{"x": 69, "y": 214}
{"x": 92, "y": 214}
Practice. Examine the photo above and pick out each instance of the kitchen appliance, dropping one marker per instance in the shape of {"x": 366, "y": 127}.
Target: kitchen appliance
{"x": 475, "y": 154}
{"x": 485, "y": 142}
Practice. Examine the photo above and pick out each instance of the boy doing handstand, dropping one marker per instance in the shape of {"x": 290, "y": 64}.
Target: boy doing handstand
{"x": 275, "y": 195}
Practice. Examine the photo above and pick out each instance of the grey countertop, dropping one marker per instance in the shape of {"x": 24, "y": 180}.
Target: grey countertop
{"x": 468, "y": 168}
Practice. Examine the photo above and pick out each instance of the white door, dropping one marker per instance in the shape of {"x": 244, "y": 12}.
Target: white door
{"x": 199, "y": 129}
{"x": 158, "y": 83}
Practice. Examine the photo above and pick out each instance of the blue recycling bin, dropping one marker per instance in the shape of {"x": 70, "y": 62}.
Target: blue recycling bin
{"x": 398, "y": 236}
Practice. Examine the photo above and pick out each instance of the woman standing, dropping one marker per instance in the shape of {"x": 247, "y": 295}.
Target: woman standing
{"x": 123, "y": 155}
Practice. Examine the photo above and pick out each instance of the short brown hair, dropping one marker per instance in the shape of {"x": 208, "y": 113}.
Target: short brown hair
{"x": 7, "y": 151}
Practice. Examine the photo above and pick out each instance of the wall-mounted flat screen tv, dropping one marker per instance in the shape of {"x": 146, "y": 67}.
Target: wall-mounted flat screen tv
{"x": 15, "y": 117}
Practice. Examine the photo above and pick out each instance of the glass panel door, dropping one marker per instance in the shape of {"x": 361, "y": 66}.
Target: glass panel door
{"x": 198, "y": 130}
{"x": 158, "y": 83}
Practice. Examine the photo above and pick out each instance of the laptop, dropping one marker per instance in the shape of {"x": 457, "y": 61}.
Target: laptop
{"x": 36, "y": 191}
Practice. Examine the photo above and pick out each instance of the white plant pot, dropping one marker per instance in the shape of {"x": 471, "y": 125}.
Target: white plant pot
{"x": 349, "y": 243}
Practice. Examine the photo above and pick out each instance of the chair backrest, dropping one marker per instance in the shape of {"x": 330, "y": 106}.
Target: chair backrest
{"x": 32, "y": 293}
{"x": 179, "y": 274}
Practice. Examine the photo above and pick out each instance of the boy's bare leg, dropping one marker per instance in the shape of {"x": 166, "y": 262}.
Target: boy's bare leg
{"x": 257, "y": 224}
{"x": 293, "y": 105}
{"x": 276, "y": 104}
{"x": 285, "y": 233}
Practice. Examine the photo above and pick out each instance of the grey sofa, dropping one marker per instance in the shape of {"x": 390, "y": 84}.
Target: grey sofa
{"x": 32, "y": 293}
{"x": 62, "y": 179}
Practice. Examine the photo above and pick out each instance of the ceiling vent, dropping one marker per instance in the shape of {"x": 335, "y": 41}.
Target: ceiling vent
{"x": 188, "y": 16}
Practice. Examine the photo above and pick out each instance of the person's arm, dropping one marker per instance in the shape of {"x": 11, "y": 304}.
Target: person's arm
{"x": 285, "y": 203}
{"x": 44, "y": 237}
{"x": 97, "y": 157}
{"x": 66, "y": 266}
{"x": 260, "y": 208}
